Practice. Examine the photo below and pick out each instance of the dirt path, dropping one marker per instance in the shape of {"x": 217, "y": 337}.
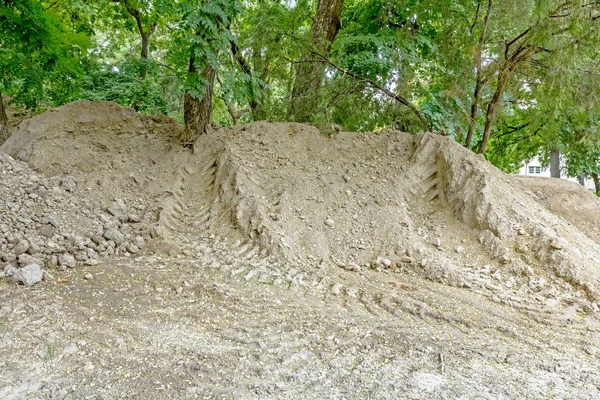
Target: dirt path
{"x": 158, "y": 328}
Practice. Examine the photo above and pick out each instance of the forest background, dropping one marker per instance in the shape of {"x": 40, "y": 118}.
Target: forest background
{"x": 509, "y": 79}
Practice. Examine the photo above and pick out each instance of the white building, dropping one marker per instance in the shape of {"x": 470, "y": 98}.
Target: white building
{"x": 534, "y": 168}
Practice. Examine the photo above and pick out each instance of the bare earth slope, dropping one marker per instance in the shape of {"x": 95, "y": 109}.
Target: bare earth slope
{"x": 274, "y": 262}
{"x": 569, "y": 200}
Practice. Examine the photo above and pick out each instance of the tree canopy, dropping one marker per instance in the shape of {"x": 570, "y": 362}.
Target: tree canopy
{"x": 508, "y": 79}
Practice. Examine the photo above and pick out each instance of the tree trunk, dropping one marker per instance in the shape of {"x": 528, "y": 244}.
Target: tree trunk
{"x": 197, "y": 112}
{"x": 479, "y": 78}
{"x": 596, "y": 183}
{"x": 555, "y": 163}
{"x": 582, "y": 180}
{"x": 309, "y": 76}
{"x": 145, "y": 44}
{"x": 4, "y": 131}
{"x": 144, "y": 34}
{"x": 503, "y": 77}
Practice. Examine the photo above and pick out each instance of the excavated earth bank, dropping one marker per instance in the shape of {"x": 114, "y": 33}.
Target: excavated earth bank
{"x": 145, "y": 246}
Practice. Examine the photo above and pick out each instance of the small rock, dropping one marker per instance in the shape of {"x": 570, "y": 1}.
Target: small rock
{"x": 46, "y": 231}
{"x": 117, "y": 208}
{"x": 139, "y": 242}
{"x": 329, "y": 222}
{"x": 588, "y": 288}
{"x": 52, "y": 261}
{"x": 68, "y": 184}
{"x": 66, "y": 260}
{"x": 132, "y": 248}
{"x": 386, "y": 262}
{"x": 437, "y": 242}
{"x": 8, "y": 257}
{"x": 97, "y": 239}
{"x": 29, "y": 275}
{"x": 557, "y": 244}
{"x": 423, "y": 263}
{"x": 460, "y": 249}
{"x": 9, "y": 270}
{"x": 134, "y": 218}
{"x": 521, "y": 231}
{"x": 21, "y": 247}
{"x": 88, "y": 276}
{"x": 115, "y": 236}
{"x": 336, "y": 289}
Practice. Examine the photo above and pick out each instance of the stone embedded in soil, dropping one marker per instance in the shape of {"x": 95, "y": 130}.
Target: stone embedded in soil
{"x": 68, "y": 184}
{"x": 115, "y": 236}
{"x": 21, "y": 247}
{"x": 28, "y": 275}
{"x": 329, "y": 222}
{"x": 139, "y": 242}
{"x": 118, "y": 208}
{"x": 66, "y": 260}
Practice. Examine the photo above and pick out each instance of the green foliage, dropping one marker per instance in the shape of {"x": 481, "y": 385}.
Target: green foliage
{"x": 203, "y": 33}
{"x": 41, "y": 57}
{"x": 122, "y": 84}
{"x": 423, "y": 50}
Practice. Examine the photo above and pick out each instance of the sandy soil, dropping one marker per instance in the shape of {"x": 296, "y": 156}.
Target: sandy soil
{"x": 284, "y": 264}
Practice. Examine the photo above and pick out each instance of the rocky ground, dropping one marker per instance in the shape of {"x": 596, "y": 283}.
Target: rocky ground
{"x": 273, "y": 262}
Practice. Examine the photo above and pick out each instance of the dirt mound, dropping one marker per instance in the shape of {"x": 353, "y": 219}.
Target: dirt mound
{"x": 102, "y": 172}
{"x": 569, "y": 200}
{"x": 286, "y": 262}
{"x": 385, "y": 201}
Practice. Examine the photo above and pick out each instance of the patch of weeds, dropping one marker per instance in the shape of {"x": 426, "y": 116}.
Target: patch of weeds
{"x": 50, "y": 351}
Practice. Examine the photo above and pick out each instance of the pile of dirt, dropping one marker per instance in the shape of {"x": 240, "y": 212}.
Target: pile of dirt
{"x": 569, "y": 200}
{"x": 86, "y": 184}
{"x": 274, "y": 261}
{"x": 387, "y": 201}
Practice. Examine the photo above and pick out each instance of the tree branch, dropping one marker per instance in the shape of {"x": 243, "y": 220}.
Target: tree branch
{"x": 399, "y": 98}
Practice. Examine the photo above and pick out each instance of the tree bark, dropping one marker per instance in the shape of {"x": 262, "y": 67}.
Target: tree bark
{"x": 144, "y": 34}
{"x": 145, "y": 44}
{"x": 4, "y": 131}
{"x": 554, "y": 163}
{"x": 309, "y": 76}
{"x": 582, "y": 180}
{"x": 479, "y": 77}
{"x": 197, "y": 111}
{"x": 596, "y": 183}
{"x": 493, "y": 106}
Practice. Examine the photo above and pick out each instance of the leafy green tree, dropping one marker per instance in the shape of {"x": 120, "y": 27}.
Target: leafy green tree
{"x": 41, "y": 56}
{"x": 202, "y": 32}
